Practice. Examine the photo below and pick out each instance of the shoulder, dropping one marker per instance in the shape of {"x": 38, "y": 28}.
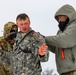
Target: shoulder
{"x": 18, "y": 35}
{"x": 37, "y": 34}
{"x": 40, "y": 35}
{"x": 2, "y": 40}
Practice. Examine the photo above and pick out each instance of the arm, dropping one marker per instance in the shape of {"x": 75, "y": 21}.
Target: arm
{"x": 4, "y": 54}
{"x": 51, "y": 48}
{"x": 5, "y": 65}
{"x": 44, "y": 58}
{"x": 67, "y": 39}
{"x": 5, "y": 45}
{"x": 44, "y": 55}
{"x": 5, "y": 57}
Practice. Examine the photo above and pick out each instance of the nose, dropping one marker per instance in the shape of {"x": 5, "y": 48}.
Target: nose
{"x": 60, "y": 19}
{"x": 24, "y": 25}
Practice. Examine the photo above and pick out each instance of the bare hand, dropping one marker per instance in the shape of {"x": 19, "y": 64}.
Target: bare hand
{"x": 43, "y": 49}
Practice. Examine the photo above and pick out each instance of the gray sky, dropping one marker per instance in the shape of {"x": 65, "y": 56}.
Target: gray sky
{"x": 41, "y": 13}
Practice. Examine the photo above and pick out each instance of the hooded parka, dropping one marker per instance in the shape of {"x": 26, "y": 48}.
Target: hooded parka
{"x": 64, "y": 43}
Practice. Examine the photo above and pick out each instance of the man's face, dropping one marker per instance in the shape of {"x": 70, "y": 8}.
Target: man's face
{"x": 63, "y": 21}
{"x": 24, "y": 25}
{"x": 62, "y": 18}
{"x": 14, "y": 27}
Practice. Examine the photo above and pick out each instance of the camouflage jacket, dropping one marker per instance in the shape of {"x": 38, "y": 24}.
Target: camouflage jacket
{"x": 6, "y": 45}
{"x": 24, "y": 57}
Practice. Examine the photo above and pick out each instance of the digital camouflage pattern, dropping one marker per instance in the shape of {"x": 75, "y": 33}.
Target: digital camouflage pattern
{"x": 26, "y": 60}
{"x": 24, "y": 57}
{"x": 6, "y": 45}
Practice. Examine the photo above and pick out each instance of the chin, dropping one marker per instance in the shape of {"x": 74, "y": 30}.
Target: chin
{"x": 24, "y": 31}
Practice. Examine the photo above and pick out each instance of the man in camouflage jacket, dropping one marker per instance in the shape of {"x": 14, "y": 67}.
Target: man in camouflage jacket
{"x": 27, "y": 50}
{"x": 6, "y": 44}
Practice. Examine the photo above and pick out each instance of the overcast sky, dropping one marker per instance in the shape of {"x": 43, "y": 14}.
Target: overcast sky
{"x": 41, "y": 13}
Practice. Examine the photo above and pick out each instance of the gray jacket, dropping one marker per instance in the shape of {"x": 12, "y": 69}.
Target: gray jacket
{"x": 64, "y": 43}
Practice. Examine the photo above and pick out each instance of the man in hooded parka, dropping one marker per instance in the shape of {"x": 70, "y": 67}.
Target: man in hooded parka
{"x": 64, "y": 43}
